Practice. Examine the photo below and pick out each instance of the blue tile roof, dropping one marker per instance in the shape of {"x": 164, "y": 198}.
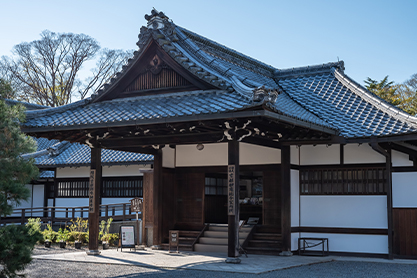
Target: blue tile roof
{"x": 321, "y": 94}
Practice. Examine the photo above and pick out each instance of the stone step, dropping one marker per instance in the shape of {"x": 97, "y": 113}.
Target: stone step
{"x": 216, "y": 240}
{"x": 182, "y": 247}
{"x": 222, "y": 234}
{"x": 265, "y": 243}
{"x": 224, "y": 228}
{"x": 199, "y": 247}
{"x": 267, "y": 236}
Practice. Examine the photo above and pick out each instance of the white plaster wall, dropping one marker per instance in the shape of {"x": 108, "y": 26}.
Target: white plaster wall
{"x": 400, "y": 159}
{"x": 319, "y": 154}
{"x": 295, "y": 152}
{"x": 69, "y": 203}
{"x": 294, "y": 241}
{"x": 73, "y": 172}
{"x": 211, "y": 155}
{"x": 404, "y": 190}
{"x": 344, "y": 211}
{"x": 354, "y": 153}
{"x": 377, "y": 244}
{"x": 107, "y": 201}
{"x": 38, "y": 198}
{"x": 250, "y": 154}
{"x": 168, "y": 157}
{"x": 108, "y": 171}
{"x": 295, "y": 198}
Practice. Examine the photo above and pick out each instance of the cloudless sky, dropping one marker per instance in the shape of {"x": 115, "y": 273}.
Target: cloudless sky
{"x": 375, "y": 38}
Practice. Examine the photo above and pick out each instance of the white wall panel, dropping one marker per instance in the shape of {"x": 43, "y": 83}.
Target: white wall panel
{"x": 377, "y": 244}
{"x": 295, "y": 155}
{"x": 108, "y": 171}
{"x": 295, "y": 200}
{"x": 320, "y": 154}
{"x": 354, "y": 153}
{"x": 73, "y": 172}
{"x": 168, "y": 157}
{"x": 211, "y": 155}
{"x": 107, "y": 201}
{"x": 404, "y": 190}
{"x": 400, "y": 159}
{"x": 294, "y": 241}
{"x": 344, "y": 211}
{"x": 38, "y": 198}
{"x": 122, "y": 170}
{"x": 252, "y": 154}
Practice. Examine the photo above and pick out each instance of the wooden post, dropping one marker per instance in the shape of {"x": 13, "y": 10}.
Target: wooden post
{"x": 157, "y": 199}
{"x": 94, "y": 201}
{"x": 22, "y": 217}
{"x": 233, "y": 202}
{"x": 286, "y": 200}
{"x": 389, "y": 204}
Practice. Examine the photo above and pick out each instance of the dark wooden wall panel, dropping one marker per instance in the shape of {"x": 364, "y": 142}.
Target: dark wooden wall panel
{"x": 168, "y": 202}
{"x": 215, "y": 209}
{"x": 190, "y": 198}
{"x": 405, "y": 231}
{"x": 272, "y": 197}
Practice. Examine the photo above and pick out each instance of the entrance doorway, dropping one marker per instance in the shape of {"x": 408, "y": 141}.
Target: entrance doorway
{"x": 250, "y": 196}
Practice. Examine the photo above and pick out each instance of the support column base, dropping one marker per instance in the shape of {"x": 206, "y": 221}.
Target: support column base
{"x": 286, "y": 253}
{"x": 232, "y": 260}
{"x": 93, "y": 252}
{"x": 156, "y": 247}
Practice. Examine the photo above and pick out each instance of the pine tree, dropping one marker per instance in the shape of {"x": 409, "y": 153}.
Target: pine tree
{"x": 16, "y": 242}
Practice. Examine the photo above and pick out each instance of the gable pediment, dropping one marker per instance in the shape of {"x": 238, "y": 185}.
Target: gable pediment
{"x": 154, "y": 72}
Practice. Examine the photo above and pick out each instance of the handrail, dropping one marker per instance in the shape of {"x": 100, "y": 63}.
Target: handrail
{"x": 205, "y": 228}
{"x": 120, "y": 211}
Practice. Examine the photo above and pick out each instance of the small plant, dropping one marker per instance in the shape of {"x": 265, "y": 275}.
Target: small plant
{"x": 78, "y": 228}
{"x": 49, "y": 233}
{"x": 63, "y": 235}
{"x": 34, "y": 225}
{"x": 104, "y": 230}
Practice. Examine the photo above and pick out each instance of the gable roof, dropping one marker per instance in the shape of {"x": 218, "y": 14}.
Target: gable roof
{"x": 321, "y": 96}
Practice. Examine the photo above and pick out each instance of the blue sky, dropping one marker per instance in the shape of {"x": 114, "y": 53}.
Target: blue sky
{"x": 374, "y": 38}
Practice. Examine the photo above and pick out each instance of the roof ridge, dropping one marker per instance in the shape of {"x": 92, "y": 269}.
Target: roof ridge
{"x": 373, "y": 98}
{"x": 227, "y": 50}
{"x": 44, "y": 112}
{"x": 307, "y": 70}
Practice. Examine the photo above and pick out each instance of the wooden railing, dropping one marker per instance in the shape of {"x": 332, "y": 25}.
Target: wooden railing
{"x": 119, "y": 212}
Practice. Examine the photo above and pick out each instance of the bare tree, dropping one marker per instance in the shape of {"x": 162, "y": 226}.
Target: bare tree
{"x": 46, "y": 71}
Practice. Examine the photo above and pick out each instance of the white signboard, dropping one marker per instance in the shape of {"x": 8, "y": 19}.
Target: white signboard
{"x": 128, "y": 235}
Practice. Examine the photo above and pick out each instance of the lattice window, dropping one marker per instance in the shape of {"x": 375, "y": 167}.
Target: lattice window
{"x": 110, "y": 187}
{"x": 216, "y": 186}
{"x": 343, "y": 181}
{"x": 122, "y": 187}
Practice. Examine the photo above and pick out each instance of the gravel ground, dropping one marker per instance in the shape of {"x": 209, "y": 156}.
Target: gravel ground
{"x": 48, "y": 268}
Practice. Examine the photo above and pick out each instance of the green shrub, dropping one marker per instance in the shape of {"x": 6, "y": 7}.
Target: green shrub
{"x": 78, "y": 228}
{"x": 62, "y": 235}
{"x": 49, "y": 234}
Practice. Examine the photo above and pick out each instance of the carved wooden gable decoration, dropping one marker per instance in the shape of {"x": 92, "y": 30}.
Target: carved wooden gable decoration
{"x": 158, "y": 75}
{"x": 155, "y": 72}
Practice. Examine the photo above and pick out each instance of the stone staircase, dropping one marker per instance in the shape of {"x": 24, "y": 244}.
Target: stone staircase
{"x": 215, "y": 239}
{"x": 265, "y": 240}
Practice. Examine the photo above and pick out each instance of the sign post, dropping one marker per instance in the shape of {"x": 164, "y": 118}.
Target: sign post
{"x": 174, "y": 237}
{"x": 136, "y": 205}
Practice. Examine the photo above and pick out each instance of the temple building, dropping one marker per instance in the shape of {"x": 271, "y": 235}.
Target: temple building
{"x": 301, "y": 153}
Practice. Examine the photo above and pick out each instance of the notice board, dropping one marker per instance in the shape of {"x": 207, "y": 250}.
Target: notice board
{"x": 127, "y": 236}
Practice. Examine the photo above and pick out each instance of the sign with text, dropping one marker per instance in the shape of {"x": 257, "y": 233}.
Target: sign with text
{"x": 91, "y": 191}
{"x": 136, "y": 205}
{"x": 127, "y": 235}
{"x": 174, "y": 237}
{"x": 231, "y": 209}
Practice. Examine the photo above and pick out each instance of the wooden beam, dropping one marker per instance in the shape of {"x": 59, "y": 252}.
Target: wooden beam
{"x": 157, "y": 198}
{"x": 94, "y": 201}
{"x": 286, "y": 200}
{"x": 233, "y": 202}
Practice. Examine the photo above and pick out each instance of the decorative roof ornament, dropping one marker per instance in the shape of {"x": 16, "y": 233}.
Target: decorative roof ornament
{"x": 156, "y": 19}
{"x": 263, "y": 94}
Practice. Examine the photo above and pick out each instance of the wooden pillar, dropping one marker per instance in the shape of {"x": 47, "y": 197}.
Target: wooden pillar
{"x": 157, "y": 199}
{"x": 389, "y": 204}
{"x": 286, "y": 200}
{"x": 233, "y": 202}
{"x": 94, "y": 201}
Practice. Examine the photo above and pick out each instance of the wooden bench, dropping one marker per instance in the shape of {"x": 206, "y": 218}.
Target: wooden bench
{"x": 311, "y": 242}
